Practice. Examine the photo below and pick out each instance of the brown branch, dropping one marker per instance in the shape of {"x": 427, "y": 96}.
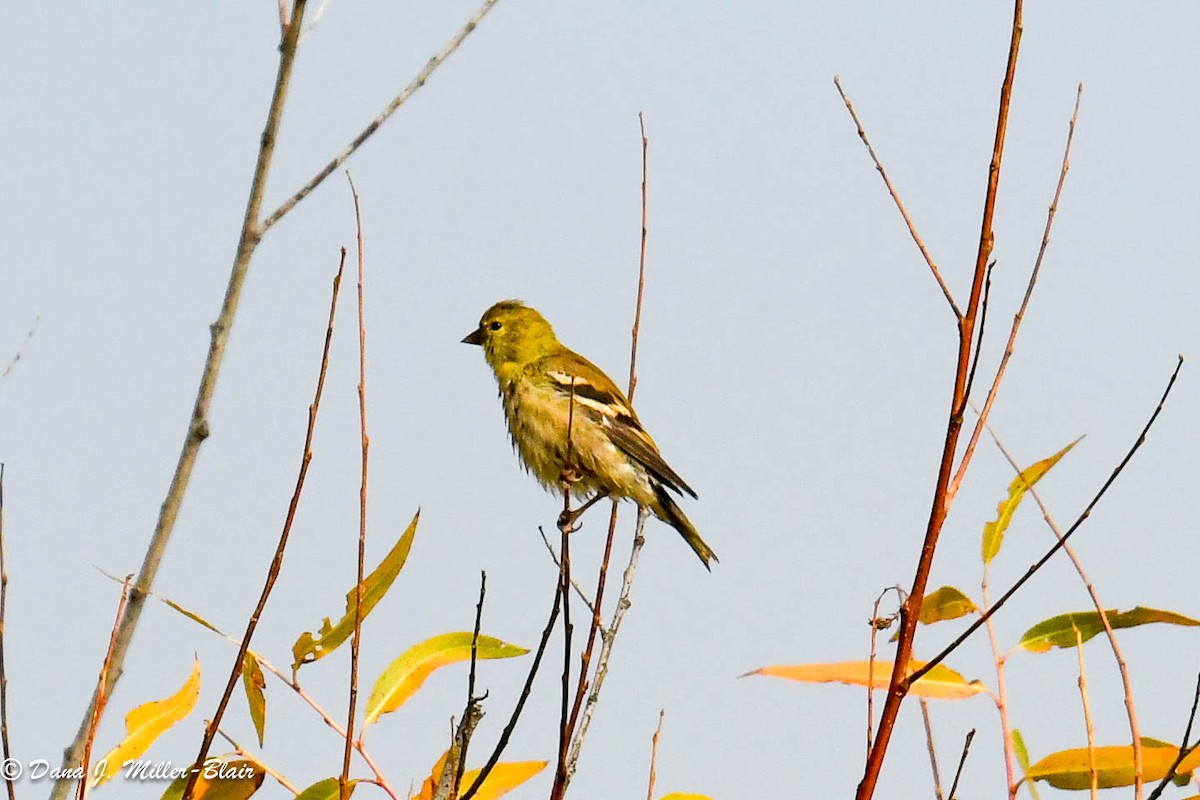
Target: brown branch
{"x": 898, "y": 685}
{"x": 397, "y": 101}
{"x": 969, "y": 452}
{"x": 8, "y": 781}
{"x": 197, "y": 429}
{"x": 344, "y": 788}
{"x": 101, "y": 696}
{"x": 210, "y": 730}
{"x": 654, "y": 755}
{"x": 1001, "y": 696}
{"x": 912, "y": 228}
{"x": 1059, "y": 544}
{"x": 516, "y": 714}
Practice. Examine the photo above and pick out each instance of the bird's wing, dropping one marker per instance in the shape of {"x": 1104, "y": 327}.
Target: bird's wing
{"x": 595, "y": 391}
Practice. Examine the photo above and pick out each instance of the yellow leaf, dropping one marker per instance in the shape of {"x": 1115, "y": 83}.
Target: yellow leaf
{"x": 684, "y": 796}
{"x": 993, "y": 532}
{"x": 1068, "y": 769}
{"x": 941, "y": 682}
{"x": 326, "y": 789}
{"x": 944, "y": 603}
{"x": 1060, "y": 631}
{"x": 254, "y": 682}
{"x": 308, "y": 648}
{"x": 147, "y": 722}
{"x": 500, "y": 781}
{"x": 221, "y": 778}
{"x": 404, "y": 676}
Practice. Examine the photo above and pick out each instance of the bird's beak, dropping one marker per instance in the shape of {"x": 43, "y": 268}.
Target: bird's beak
{"x": 474, "y": 337}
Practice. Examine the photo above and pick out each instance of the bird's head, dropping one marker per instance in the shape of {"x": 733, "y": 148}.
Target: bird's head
{"x": 512, "y": 335}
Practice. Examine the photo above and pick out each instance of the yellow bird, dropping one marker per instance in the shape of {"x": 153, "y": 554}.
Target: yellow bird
{"x": 610, "y": 452}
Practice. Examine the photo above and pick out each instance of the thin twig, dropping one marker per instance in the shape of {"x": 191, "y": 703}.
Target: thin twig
{"x": 962, "y": 760}
{"x": 983, "y": 309}
{"x": 877, "y": 624}
{"x": 471, "y": 709}
{"x": 564, "y": 585}
{"x": 516, "y": 714}
{"x": 969, "y": 452}
{"x": 912, "y": 228}
{"x": 1087, "y": 715}
{"x": 101, "y": 696}
{"x": 379, "y": 780}
{"x": 241, "y": 751}
{"x": 933, "y": 764}
{"x": 397, "y": 101}
{"x": 276, "y": 560}
{"x": 578, "y": 728}
{"x": 910, "y": 613}
{"x": 558, "y": 565}
{"x": 197, "y": 429}
{"x": 1126, "y": 681}
{"x": 623, "y": 603}
{"x": 344, "y": 788}
{"x": 20, "y": 351}
{"x": 654, "y": 755}
{"x": 1000, "y": 659}
{"x": 8, "y": 781}
{"x": 974, "y": 626}
{"x": 1184, "y": 748}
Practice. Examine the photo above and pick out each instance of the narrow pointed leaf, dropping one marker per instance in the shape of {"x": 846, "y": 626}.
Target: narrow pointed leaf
{"x": 993, "y": 532}
{"x": 222, "y": 778}
{"x": 192, "y": 615}
{"x": 941, "y": 682}
{"x": 1068, "y": 769}
{"x": 309, "y": 648}
{"x": 326, "y": 789}
{"x": 1022, "y": 753}
{"x": 254, "y": 682}
{"x": 148, "y": 721}
{"x": 945, "y": 603}
{"x": 1059, "y": 631}
{"x": 404, "y": 676}
{"x": 684, "y": 796}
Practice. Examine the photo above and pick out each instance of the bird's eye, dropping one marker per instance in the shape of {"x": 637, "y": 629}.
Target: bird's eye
{"x": 495, "y": 325}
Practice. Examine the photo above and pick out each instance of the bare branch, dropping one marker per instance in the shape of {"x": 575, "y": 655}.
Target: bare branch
{"x": 397, "y": 101}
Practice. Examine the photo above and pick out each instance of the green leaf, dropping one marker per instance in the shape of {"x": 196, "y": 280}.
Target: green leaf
{"x": 993, "y": 532}
{"x": 308, "y": 648}
{"x": 404, "y": 676}
{"x": 1059, "y": 631}
{"x": 1069, "y": 769}
{"x": 254, "y": 682}
{"x": 1022, "y": 753}
{"x": 326, "y": 789}
{"x": 944, "y": 603}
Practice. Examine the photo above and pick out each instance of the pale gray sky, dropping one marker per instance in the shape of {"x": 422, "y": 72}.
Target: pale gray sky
{"x": 795, "y": 362}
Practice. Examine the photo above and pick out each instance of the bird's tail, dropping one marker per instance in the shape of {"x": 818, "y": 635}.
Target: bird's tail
{"x": 666, "y": 509}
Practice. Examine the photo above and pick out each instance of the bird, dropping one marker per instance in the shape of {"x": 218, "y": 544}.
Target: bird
{"x": 547, "y": 388}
